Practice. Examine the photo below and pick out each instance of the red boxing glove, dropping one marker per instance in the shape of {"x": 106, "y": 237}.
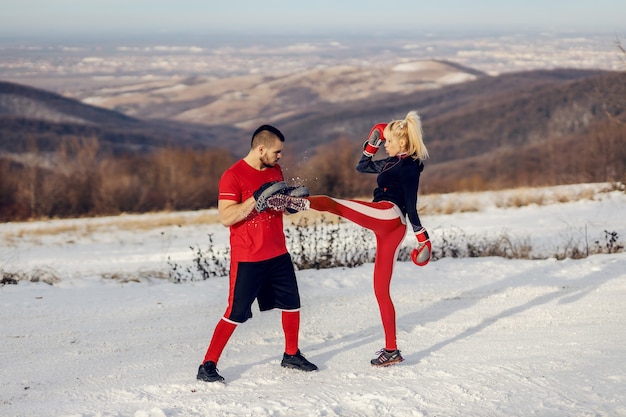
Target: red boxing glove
{"x": 374, "y": 140}
{"x": 421, "y": 254}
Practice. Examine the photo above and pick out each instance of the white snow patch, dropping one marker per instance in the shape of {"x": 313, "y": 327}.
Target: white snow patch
{"x": 480, "y": 336}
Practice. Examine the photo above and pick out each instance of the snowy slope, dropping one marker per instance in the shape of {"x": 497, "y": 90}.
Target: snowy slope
{"x": 481, "y": 336}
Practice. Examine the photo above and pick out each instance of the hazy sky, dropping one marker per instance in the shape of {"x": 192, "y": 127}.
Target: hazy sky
{"x": 62, "y": 17}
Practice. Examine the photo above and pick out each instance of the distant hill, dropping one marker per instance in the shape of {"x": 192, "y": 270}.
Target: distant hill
{"x": 249, "y": 100}
{"x": 34, "y": 118}
{"x": 554, "y": 133}
{"x": 25, "y": 102}
{"x": 481, "y": 126}
{"x": 490, "y": 128}
{"x": 454, "y": 106}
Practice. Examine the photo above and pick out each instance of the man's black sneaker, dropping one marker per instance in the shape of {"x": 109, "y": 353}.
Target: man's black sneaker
{"x": 386, "y": 358}
{"x": 208, "y": 372}
{"x": 297, "y": 361}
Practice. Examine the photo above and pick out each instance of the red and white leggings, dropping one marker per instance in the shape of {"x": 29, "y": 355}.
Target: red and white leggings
{"x": 387, "y": 222}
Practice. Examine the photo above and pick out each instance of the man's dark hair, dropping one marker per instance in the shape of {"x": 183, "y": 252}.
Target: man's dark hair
{"x": 267, "y": 128}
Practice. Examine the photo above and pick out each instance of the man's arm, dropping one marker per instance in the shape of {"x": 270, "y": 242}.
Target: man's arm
{"x": 232, "y": 212}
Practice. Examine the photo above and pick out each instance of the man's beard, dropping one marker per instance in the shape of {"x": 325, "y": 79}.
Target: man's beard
{"x": 266, "y": 164}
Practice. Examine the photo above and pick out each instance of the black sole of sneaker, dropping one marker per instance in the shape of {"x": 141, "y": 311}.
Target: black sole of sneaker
{"x": 298, "y": 369}
{"x": 212, "y": 380}
{"x": 282, "y": 202}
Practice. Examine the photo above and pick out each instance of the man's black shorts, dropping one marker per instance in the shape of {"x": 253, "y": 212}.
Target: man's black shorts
{"x": 272, "y": 282}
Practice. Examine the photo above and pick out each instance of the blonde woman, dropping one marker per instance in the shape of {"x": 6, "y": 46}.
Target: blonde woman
{"x": 395, "y": 199}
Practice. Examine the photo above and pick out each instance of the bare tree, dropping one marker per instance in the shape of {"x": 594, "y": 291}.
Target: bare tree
{"x": 616, "y": 102}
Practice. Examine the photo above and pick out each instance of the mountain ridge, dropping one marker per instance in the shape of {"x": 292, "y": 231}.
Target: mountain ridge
{"x": 469, "y": 126}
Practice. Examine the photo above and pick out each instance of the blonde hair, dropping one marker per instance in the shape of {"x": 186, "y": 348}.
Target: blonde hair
{"x": 409, "y": 130}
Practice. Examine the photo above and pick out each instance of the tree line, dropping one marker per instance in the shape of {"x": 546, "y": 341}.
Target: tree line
{"x": 78, "y": 181}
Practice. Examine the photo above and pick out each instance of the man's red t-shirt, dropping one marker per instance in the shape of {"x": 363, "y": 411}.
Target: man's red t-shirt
{"x": 260, "y": 236}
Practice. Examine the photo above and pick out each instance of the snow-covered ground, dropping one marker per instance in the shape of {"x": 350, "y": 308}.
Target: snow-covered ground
{"x": 481, "y": 336}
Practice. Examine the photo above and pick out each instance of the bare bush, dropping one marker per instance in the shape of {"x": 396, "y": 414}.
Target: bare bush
{"x": 43, "y": 275}
{"x": 320, "y": 244}
{"x": 82, "y": 183}
{"x": 208, "y": 263}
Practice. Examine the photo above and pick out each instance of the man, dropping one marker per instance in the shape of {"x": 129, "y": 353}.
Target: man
{"x": 260, "y": 266}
